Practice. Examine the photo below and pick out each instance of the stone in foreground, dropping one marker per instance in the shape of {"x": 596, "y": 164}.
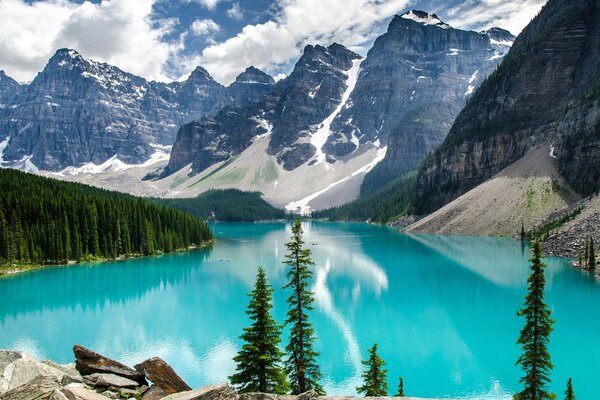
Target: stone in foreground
{"x": 88, "y": 363}
{"x": 212, "y": 392}
{"x": 111, "y": 380}
{"x": 81, "y": 393}
{"x": 40, "y": 388}
{"x": 162, "y": 375}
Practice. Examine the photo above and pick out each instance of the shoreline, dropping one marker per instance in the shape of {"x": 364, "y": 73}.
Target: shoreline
{"x": 8, "y": 271}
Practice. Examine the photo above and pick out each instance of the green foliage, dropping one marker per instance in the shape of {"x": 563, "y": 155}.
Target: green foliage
{"x": 300, "y": 366}
{"x": 374, "y": 377}
{"x": 534, "y": 338}
{"x": 392, "y": 201}
{"x": 400, "y": 388}
{"x": 258, "y": 362}
{"x": 543, "y": 231}
{"x": 569, "y": 393}
{"x": 227, "y": 205}
{"x": 46, "y": 221}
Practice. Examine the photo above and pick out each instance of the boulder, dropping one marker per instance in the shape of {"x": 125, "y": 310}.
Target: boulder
{"x": 310, "y": 395}
{"x": 257, "y": 396}
{"x": 81, "y": 393}
{"x": 110, "y": 380}
{"x": 154, "y": 393}
{"x": 58, "y": 395}
{"x": 162, "y": 375}
{"x": 8, "y": 357}
{"x": 39, "y": 388}
{"x": 212, "y": 392}
{"x": 88, "y": 362}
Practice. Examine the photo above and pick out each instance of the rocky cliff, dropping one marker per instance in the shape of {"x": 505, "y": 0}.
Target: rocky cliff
{"x": 77, "y": 111}
{"x": 547, "y": 88}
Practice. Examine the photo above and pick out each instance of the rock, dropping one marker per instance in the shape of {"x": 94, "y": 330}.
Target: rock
{"x": 309, "y": 395}
{"x": 41, "y": 387}
{"x": 9, "y": 356}
{"x": 162, "y": 375}
{"x": 88, "y": 362}
{"x": 81, "y": 393}
{"x": 58, "y": 395}
{"x": 108, "y": 380}
{"x": 213, "y": 392}
{"x": 71, "y": 375}
{"x": 154, "y": 393}
{"x": 257, "y": 396}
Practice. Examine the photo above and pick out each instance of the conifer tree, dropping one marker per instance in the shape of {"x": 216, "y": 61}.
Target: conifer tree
{"x": 300, "y": 365}
{"x": 534, "y": 338}
{"x": 522, "y": 230}
{"x": 258, "y": 363}
{"x": 400, "y": 387}
{"x": 569, "y": 393}
{"x": 592, "y": 257}
{"x": 374, "y": 377}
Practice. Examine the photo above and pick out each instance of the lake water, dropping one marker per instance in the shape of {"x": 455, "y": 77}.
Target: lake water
{"x": 441, "y": 308}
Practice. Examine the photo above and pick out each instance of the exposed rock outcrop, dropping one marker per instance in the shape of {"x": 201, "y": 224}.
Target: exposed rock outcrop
{"x": 162, "y": 375}
{"x": 88, "y": 362}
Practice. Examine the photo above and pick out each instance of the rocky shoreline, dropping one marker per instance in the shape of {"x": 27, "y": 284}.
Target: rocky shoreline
{"x": 95, "y": 377}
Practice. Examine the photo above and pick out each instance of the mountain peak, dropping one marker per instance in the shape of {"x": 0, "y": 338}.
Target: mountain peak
{"x": 254, "y": 75}
{"x": 425, "y": 18}
{"x": 200, "y": 74}
{"x": 499, "y": 36}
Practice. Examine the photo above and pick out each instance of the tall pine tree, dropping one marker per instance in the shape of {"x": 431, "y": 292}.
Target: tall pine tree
{"x": 569, "y": 393}
{"x": 534, "y": 337}
{"x": 258, "y": 362}
{"x": 300, "y": 365}
{"x": 592, "y": 257}
{"x": 374, "y": 378}
{"x": 400, "y": 387}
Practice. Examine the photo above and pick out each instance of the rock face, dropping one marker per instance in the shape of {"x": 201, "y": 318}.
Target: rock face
{"x": 212, "y": 392}
{"x": 546, "y": 88}
{"x": 289, "y": 115}
{"x": 77, "y": 110}
{"x": 162, "y": 375}
{"x": 88, "y": 362}
{"x": 404, "y": 94}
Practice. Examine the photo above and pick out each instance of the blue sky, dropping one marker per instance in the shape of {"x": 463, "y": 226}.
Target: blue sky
{"x": 166, "y": 39}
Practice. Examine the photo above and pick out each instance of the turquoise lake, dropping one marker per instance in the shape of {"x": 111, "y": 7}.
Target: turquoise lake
{"x": 441, "y": 308}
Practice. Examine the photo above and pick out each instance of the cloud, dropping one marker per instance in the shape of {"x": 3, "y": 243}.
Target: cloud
{"x": 202, "y": 27}
{"x": 483, "y": 14}
{"x": 236, "y": 12}
{"x": 210, "y": 4}
{"x": 119, "y": 32}
{"x": 273, "y": 44}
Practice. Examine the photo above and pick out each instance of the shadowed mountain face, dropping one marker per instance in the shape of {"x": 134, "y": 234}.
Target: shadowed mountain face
{"x": 404, "y": 94}
{"x": 547, "y": 88}
{"x": 77, "y": 111}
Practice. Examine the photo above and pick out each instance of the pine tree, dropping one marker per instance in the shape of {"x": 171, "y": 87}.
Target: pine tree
{"x": 592, "y": 257}
{"x": 300, "y": 365}
{"x": 374, "y": 378}
{"x": 569, "y": 393}
{"x": 522, "y": 230}
{"x": 534, "y": 337}
{"x": 400, "y": 387}
{"x": 258, "y": 362}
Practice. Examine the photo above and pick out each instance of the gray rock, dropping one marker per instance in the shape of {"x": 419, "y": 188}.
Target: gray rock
{"x": 212, "y": 392}
{"x": 162, "y": 375}
{"x": 39, "y": 388}
{"x": 108, "y": 380}
{"x": 153, "y": 393}
{"x": 89, "y": 362}
{"x": 257, "y": 396}
{"x": 309, "y": 395}
{"x": 58, "y": 395}
{"x": 81, "y": 393}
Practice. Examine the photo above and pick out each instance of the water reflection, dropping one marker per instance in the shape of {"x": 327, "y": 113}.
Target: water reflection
{"x": 442, "y": 309}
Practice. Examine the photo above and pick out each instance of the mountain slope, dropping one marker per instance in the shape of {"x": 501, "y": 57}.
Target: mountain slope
{"x": 545, "y": 89}
{"x": 77, "y": 111}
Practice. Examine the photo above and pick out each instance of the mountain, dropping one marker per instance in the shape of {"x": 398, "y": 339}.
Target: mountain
{"x": 78, "y": 111}
{"x": 547, "y": 90}
{"x": 8, "y": 89}
{"x": 335, "y": 116}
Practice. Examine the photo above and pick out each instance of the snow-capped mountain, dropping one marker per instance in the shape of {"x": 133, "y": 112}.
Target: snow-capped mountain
{"x": 335, "y": 109}
{"x": 78, "y": 111}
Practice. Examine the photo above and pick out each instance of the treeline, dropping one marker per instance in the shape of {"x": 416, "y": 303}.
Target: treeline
{"x": 46, "y": 221}
{"x": 230, "y": 205}
{"x": 392, "y": 201}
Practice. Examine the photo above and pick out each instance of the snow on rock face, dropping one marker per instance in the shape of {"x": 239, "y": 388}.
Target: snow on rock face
{"x": 425, "y": 18}
{"x": 319, "y": 138}
{"x": 3, "y": 145}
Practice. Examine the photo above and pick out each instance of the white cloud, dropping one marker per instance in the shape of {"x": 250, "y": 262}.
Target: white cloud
{"x": 203, "y": 27}
{"x": 119, "y": 32}
{"x": 210, "y": 4}
{"x": 236, "y": 12}
{"x": 483, "y": 14}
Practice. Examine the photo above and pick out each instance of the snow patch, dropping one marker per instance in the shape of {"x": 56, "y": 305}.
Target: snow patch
{"x": 302, "y": 206}
{"x": 507, "y": 43}
{"x": 454, "y": 52}
{"x": 313, "y": 92}
{"x": 425, "y": 19}
{"x": 471, "y": 87}
{"x": 3, "y": 146}
{"x": 552, "y": 154}
{"x": 263, "y": 123}
{"x": 319, "y": 138}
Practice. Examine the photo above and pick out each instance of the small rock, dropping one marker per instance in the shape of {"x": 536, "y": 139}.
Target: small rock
{"x": 256, "y": 396}
{"x": 154, "y": 393}
{"x": 40, "y": 388}
{"x": 80, "y": 393}
{"x": 310, "y": 395}
{"x": 88, "y": 362}
{"x": 212, "y": 392}
{"x": 58, "y": 395}
{"x": 162, "y": 375}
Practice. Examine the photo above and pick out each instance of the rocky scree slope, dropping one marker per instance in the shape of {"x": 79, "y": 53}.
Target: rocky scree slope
{"x": 547, "y": 88}
{"x": 404, "y": 94}
{"x": 77, "y": 111}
